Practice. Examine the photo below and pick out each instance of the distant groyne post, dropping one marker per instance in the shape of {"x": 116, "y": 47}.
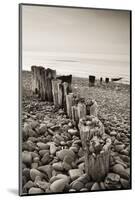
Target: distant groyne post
{"x": 101, "y": 80}
{"x": 107, "y": 80}
{"x": 91, "y": 81}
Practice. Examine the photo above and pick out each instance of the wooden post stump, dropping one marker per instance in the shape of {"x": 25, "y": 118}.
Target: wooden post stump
{"x": 101, "y": 80}
{"x": 65, "y": 92}
{"x": 66, "y": 79}
{"x": 107, "y": 80}
{"x": 91, "y": 81}
{"x": 55, "y": 91}
{"x": 50, "y": 74}
{"x": 96, "y": 145}
{"x": 69, "y": 103}
{"x": 81, "y": 110}
{"x": 75, "y": 117}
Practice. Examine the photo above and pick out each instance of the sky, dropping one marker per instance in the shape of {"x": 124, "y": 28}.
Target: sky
{"x": 69, "y": 34}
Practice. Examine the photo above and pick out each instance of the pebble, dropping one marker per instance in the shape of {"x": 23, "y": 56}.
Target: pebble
{"x": 59, "y": 176}
{"x": 58, "y": 185}
{"x": 113, "y": 133}
{"x": 43, "y": 146}
{"x": 35, "y": 190}
{"x": 112, "y": 181}
{"x": 119, "y": 148}
{"x": 75, "y": 173}
{"x": 45, "y": 159}
{"x": 42, "y": 129}
{"x": 58, "y": 166}
{"x": 72, "y": 131}
{"x": 72, "y": 190}
{"x": 65, "y": 152}
{"x": 95, "y": 186}
{"x": 42, "y": 184}
{"x": 84, "y": 190}
{"x": 26, "y": 173}
{"x": 77, "y": 185}
{"x": 47, "y": 169}
{"x": 42, "y": 152}
{"x": 29, "y": 184}
{"x": 26, "y": 157}
{"x": 119, "y": 169}
{"x": 124, "y": 183}
{"x": 34, "y": 173}
{"x": 67, "y": 166}
{"x": 52, "y": 148}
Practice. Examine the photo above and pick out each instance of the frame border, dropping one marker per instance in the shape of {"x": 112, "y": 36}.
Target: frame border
{"x": 20, "y": 5}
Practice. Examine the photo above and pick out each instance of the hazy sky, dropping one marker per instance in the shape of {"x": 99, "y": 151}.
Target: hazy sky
{"x": 70, "y": 32}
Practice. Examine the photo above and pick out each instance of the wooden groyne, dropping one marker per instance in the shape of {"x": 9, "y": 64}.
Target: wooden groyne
{"x": 95, "y": 143}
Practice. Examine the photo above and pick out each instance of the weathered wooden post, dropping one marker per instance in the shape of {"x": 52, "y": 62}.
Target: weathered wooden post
{"x": 94, "y": 108}
{"x": 55, "y": 90}
{"x": 91, "y": 81}
{"x": 81, "y": 107}
{"x": 42, "y": 80}
{"x": 67, "y": 79}
{"x": 96, "y": 145}
{"x": 69, "y": 103}
{"x": 50, "y": 74}
{"x": 65, "y": 92}
{"x": 101, "y": 80}
{"x": 107, "y": 80}
{"x": 35, "y": 79}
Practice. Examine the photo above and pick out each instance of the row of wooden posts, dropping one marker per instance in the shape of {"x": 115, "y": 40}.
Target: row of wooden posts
{"x": 92, "y": 80}
{"x": 49, "y": 87}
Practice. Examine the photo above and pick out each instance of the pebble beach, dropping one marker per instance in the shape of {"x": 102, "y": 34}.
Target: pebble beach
{"x": 52, "y": 155}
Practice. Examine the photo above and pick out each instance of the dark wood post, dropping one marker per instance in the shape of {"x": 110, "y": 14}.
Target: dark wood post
{"x": 101, "y": 80}
{"x": 50, "y": 74}
{"x": 96, "y": 145}
{"x": 91, "y": 81}
{"x": 107, "y": 80}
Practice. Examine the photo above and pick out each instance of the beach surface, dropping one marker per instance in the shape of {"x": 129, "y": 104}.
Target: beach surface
{"x": 48, "y": 134}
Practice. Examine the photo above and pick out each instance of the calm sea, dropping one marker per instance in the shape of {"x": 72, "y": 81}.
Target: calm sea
{"x": 110, "y": 68}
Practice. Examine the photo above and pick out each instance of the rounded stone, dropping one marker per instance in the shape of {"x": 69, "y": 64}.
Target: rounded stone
{"x": 35, "y": 190}
{"x": 34, "y": 173}
{"x": 26, "y": 157}
{"x": 58, "y": 185}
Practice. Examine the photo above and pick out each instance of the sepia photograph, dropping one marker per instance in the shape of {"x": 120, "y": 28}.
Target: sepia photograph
{"x": 75, "y": 99}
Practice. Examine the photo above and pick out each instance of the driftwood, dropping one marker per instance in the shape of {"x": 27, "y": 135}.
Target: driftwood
{"x": 96, "y": 145}
{"x": 91, "y": 81}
